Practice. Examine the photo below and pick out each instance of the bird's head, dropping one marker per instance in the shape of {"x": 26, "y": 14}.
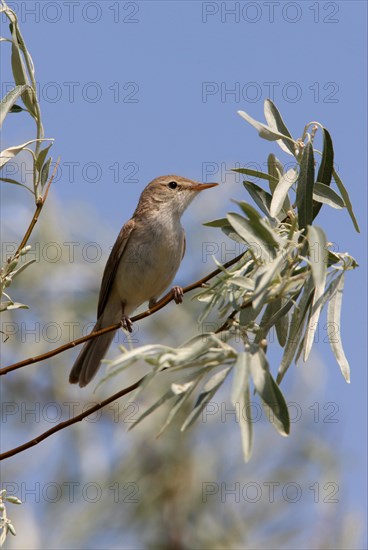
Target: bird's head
{"x": 173, "y": 193}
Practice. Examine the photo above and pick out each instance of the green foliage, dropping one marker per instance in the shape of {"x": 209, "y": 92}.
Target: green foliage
{"x": 285, "y": 278}
{"x": 24, "y": 90}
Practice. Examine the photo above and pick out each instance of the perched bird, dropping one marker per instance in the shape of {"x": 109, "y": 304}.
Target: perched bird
{"x": 142, "y": 264}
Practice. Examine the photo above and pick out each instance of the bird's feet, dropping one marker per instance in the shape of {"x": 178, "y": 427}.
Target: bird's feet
{"x": 178, "y": 294}
{"x": 126, "y": 323}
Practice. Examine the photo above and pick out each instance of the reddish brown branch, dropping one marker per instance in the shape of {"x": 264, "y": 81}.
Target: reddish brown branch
{"x": 69, "y": 422}
{"x": 162, "y": 303}
{"x": 165, "y": 300}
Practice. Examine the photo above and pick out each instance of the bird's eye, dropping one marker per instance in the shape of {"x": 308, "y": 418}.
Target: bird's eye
{"x": 172, "y": 184}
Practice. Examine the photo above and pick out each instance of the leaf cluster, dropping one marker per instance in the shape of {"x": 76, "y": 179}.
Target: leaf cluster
{"x": 284, "y": 279}
{"x": 24, "y": 91}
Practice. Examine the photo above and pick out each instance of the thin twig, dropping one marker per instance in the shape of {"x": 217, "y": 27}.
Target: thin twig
{"x": 41, "y": 201}
{"x": 162, "y": 303}
{"x": 69, "y": 422}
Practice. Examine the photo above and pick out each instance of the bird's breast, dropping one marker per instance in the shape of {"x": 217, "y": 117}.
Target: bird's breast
{"x": 149, "y": 262}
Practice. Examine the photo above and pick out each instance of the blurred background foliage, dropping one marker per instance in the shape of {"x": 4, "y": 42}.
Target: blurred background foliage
{"x": 98, "y": 485}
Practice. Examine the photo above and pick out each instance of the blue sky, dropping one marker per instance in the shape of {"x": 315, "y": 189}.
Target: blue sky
{"x": 133, "y": 90}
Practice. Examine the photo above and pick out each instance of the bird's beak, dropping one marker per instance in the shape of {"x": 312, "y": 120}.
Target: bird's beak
{"x": 202, "y": 186}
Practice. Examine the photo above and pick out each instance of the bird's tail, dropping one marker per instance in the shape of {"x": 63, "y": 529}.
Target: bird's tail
{"x": 91, "y": 355}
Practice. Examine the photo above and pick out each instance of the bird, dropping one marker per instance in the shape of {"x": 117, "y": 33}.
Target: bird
{"x": 142, "y": 264}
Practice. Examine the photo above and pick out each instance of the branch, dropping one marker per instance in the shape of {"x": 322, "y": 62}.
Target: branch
{"x": 69, "y": 422}
{"x": 162, "y": 303}
{"x": 40, "y": 202}
{"x": 165, "y": 300}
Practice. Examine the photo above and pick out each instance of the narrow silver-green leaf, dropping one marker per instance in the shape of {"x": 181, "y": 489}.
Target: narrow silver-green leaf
{"x": 217, "y": 223}
{"x": 8, "y": 101}
{"x": 272, "y": 398}
{"x": 20, "y": 74}
{"x": 346, "y": 198}
{"x": 275, "y": 121}
{"x": 255, "y": 174}
{"x": 275, "y": 169}
{"x": 209, "y": 390}
{"x": 181, "y": 399}
{"x": 324, "y": 194}
{"x": 15, "y": 182}
{"x": 304, "y": 190}
{"x": 22, "y": 268}
{"x": 11, "y": 152}
{"x": 282, "y": 323}
{"x": 240, "y": 398}
{"x": 326, "y": 167}
{"x": 261, "y": 197}
{"x": 281, "y": 191}
{"x": 45, "y": 172}
{"x": 264, "y": 131}
{"x": 296, "y": 328}
{"x": 42, "y": 156}
{"x": 318, "y": 257}
{"x": 242, "y": 282}
{"x": 265, "y": 275}
{"x": 250, "y": 235}
{"x": 261, "y": 227}
{"x": 334, "y": 319}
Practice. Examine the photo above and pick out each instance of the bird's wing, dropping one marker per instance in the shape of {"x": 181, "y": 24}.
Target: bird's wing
{"x": 112, "y": 264}
{"x": 184, "y": 245}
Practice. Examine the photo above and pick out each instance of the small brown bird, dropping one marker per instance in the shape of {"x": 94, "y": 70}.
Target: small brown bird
{"x": 142, "y": 264}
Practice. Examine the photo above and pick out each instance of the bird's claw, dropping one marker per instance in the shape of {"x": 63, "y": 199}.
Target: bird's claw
{"x": 126, "y": 323}
{"x": 178, "y": 294}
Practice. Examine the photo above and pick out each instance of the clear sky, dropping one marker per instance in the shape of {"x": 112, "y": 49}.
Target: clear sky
{"x": 133, "y": 90}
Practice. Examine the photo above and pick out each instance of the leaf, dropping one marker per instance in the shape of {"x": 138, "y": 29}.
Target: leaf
{"x": 42, "y": 156}
{"x": 255, "y": 174}
{"x": 275, "y": 169}
{"x": 240, "y": 398}
{"x": 282, "y": 323}
{"x": 296, "y": 328}
{"x": 334, "y": 317}
{"x": 262, "y": 227}
{"x": 346, "y": 199}
{"x": 19, "y": 72}
{"x": 318, "y": 258}
{"x": 283, "y": 311}
{"x": 208, "y": 391}
{"x": 324, "y": 194}
{"x": 274, "y": 120}
{"x": 186, "y": 390}
{"x": 304, "y": 190}
{"x": 242, "y": 282}
{"x": 326, "y": 167}
{"x": 264, "y": 131}
{"x": 11, "y": 152}
{"x": 22, "y": 268}
{"x": 252, "y": 234}
{"x": 261, "y": 197}
{"x": 232, "y": 234}
{"x": 8, "y": 101}
{"x": 45, "y": 172}
{"x": 12, "y": 305}
{"x": 180, "y": 401}
{"x": 16, "y": 109}
{"x": 266, "y": 274}
{"x": 281, "y": 191}
{"x": 272, "y": 398}
{"x": 217, "y": 223}
{"x": 9, "y": 180}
